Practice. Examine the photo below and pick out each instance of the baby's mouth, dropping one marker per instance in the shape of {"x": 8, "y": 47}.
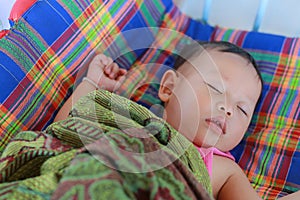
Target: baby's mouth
{"x": 217, "y": 123}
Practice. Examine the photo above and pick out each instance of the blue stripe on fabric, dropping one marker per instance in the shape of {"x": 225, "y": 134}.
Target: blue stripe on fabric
{"x": 199, "y": 31}
{"x": 293, "y": 172}
{"x": 10, "y": 76}
{"x": 270, "y": 42}
{"x": 56, "y": 22}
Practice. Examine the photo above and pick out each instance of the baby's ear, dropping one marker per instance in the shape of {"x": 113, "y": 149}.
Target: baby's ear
{"x": 167, "y": 85}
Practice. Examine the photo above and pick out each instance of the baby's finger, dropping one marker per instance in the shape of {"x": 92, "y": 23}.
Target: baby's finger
{"x": 122, "y": 75}
{"x": 114, "y": 71}
{"x": 120, "y": 79}
{"x": 107, "y": 69}
{"x": 122, "y": 72}
{"x": 109, "y": 60}
{"x": 101, "y": 59}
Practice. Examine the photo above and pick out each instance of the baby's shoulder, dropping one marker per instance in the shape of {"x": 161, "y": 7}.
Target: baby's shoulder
{"x": 222, "y": 169}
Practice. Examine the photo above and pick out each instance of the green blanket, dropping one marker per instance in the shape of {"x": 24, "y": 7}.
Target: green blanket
{"x": 108, "y": 148}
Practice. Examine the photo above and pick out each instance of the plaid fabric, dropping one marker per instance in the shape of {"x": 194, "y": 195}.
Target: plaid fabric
{"x": 270, "y": 151}
{"x": 43, "y": 53}
{"x": 39, "y": 63}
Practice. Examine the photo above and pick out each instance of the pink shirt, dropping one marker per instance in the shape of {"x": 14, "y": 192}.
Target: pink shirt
{"x": 207, "y": 156}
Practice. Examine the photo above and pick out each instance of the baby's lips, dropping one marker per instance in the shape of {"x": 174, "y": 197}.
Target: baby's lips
{"x": 219, "y": 121}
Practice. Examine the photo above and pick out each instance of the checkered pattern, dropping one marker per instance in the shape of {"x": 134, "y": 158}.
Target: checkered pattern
{"x": 270, "y": 152}
{"x": 41, "y": 60}
{"x": 39, "y": 70}
{"x": 42, "y": 56}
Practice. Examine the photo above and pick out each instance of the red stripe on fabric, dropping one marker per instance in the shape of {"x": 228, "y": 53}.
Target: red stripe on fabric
{"x": 65, "y": 37}
{"x": 214, "y": 33}
{"x": 268, "y": 99}
{"x": 241, "y": 38}
{"x": 11, "y": 102}
{"x": 283, "y": 170}
{"x": 129, "y": 9}
{"x": 19, "y": 8}
{"x": 176, "y": 20}
{"x": 286, "y": 46}
{"x": 127, "y": 18}
{"x": 139, "y": 93}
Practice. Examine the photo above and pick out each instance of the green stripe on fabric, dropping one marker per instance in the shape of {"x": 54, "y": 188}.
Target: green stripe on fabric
{"x": 159, "y": 6}
{"x": 12, "y": 129}
{"x": 260, "y": 178}
{"x": 147, "y": 15}
{"x": 274, "y": 58}
{"x": 286, "y": 108}
{"x": 72, "y": 7}
{"x": 22, "y": 26}
{"x": 116, "y": 6}
{"x": 227, "y": 35}
{"x": 271, "y": 58}
{"x": 295, "y": 81}
{"x": 150, "y": 98}
{"x": 17, "y": 54}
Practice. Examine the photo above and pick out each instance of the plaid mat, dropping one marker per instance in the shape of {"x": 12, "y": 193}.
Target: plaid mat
{"x": 39, "y": 71}
{"x": 41, "y": 58}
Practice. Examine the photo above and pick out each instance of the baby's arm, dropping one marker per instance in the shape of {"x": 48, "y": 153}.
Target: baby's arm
{"x": 103, "y": 72}
{"x": 294, "y": 196}
{"x": 230, "y": 182}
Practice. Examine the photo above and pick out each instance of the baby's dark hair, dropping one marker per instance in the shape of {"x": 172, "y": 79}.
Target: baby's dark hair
{"x": 196, "y": 48}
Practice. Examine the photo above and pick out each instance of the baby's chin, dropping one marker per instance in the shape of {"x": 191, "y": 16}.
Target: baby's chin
{"x": 211, "y": 140}
{"x": 202, "y": 144}
{"x": 205, "y": 142}
{"x": 209, "y": 144}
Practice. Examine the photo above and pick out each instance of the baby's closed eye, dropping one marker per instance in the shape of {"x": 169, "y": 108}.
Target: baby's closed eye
{"x": 214, "y": 88}
{"x": 242, "y": 110}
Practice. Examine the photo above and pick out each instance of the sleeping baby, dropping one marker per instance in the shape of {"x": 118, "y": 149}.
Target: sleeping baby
{"x": 209, "y": 97}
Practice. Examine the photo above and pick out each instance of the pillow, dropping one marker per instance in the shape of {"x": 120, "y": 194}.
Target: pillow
{"x": 270, "y": 151}
{"x": 3, "y": 33}
{"x": 19, "y": 8}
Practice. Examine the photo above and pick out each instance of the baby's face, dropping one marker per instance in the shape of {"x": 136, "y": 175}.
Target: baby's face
{"x": 212, "y": 101}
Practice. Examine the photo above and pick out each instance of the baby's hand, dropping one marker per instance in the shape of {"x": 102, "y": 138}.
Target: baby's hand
{"x": 107, "y": 74}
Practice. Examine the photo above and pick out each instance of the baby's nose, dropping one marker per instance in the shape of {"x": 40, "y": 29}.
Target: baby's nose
{"x": 226, "y": 109}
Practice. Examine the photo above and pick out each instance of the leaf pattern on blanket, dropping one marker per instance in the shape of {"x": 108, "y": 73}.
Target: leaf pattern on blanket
{"x": 104, "y": 151}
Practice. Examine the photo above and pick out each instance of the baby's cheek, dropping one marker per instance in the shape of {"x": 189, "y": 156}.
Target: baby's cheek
{"x": 239, "y": 127}
{"x": 205, "y": 102}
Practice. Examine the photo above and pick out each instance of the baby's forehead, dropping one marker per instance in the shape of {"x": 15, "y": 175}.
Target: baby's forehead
{"x": 213, "y": 59}
{"x": 220, "y": 67}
